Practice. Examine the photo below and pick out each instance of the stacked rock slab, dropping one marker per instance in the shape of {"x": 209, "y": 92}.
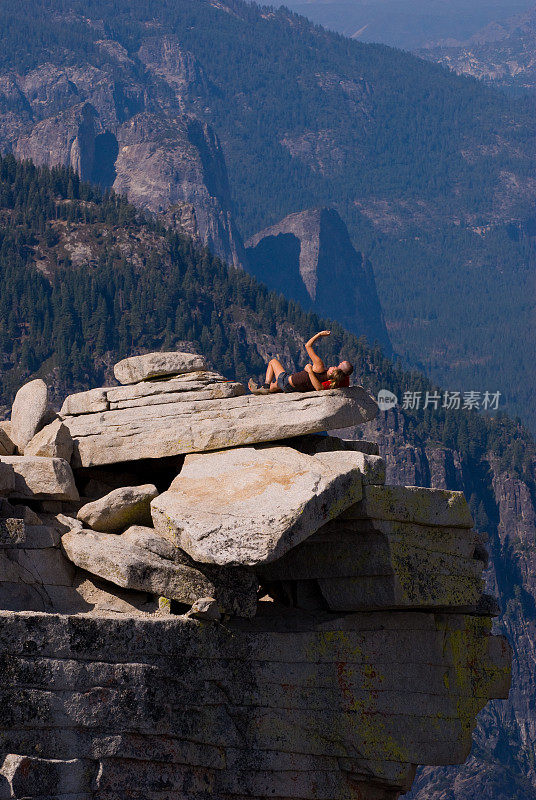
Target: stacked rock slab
{"x": 370, "y": 653}
{"x": 285, "y": 706}
{"x": 399, "y": 547}
{"x": 193, "y": 410}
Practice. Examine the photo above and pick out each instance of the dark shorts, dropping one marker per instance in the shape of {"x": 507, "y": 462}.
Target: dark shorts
{"x": 283, "y": 382}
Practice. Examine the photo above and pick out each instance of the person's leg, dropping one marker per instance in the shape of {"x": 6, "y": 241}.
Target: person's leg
{"x": 275, "y": 368}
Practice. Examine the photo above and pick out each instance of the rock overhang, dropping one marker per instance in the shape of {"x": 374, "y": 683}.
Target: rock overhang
{"x": 249, "y": 506}
{"x": 373, "y": 653}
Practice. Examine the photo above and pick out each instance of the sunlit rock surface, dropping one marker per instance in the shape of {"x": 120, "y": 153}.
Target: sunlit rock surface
{"x": 339, "y": 635}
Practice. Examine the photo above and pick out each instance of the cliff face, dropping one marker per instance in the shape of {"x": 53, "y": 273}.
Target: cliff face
{"x": 130, "y": 124}
{"x": 284, "y": 707}
{"x": 501, "y": 766}
{"x": 309, "y": 257}
{"x": 270, "y": 620}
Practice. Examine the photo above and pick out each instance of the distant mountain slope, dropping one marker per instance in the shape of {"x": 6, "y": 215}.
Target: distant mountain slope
{"x": 409, "y": 24}
{"x": 432, "y": 173}
{"x": 85, "y": 280}
{"x": 309, "y": 257}
{"x": 503, "y": 53}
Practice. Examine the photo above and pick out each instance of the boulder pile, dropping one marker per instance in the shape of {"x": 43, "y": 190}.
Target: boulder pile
{"x": 176, "y": 498}
{"x": 216, "y": 514}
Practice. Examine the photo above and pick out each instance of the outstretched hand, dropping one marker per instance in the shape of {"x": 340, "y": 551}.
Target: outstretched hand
{"x": 324, "y": 333}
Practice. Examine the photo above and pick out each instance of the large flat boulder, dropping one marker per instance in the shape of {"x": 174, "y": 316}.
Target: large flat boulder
{"x": 155, "y": 365}
{"x": 250, "y": 506}
{"x": 124, "y": 564}
{"x": 28, "y": 412}
{"x": 120, "y": 508}
{"x": 189, "y": 425}
{"x": 40, "y": 478}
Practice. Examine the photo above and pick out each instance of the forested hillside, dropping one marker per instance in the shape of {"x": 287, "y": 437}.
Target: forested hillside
{"x": 433, "y": 173}
{"x": 86, "y": 280}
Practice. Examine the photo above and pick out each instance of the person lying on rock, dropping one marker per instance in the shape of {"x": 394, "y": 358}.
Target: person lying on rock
{"x": 314, "y": 377}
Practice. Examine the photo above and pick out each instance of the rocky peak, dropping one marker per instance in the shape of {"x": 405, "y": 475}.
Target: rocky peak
{"x": 309, "y": 257}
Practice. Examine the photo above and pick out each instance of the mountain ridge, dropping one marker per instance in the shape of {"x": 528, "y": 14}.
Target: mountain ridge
{"x": 502, "y": 54}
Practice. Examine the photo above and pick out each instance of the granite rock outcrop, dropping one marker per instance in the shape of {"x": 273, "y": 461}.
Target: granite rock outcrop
{"x": 195, "y": 412}
{"x": 290, "y": 627}
{"x": 309, "y": 257}
{"x": 119, "y": 125}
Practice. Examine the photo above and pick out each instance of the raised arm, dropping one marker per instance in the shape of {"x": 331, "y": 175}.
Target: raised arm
{"x": 318, "y": 364}
{"x": 313, "y": 378}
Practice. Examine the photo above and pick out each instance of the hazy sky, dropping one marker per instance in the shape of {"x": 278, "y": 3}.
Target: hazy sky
{"x": 408, "y": 23}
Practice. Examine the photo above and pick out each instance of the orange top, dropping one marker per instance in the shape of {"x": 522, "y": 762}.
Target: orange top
{"x": 344, "y": 385}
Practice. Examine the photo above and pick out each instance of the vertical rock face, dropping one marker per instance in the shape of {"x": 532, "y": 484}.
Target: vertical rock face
{"x": 504, "y": 742}
{"x": 309, "y": 257}
{"x": 133, "y": 123}
{"x": 163, "y": 165}
{"x": 67, "y": 138}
